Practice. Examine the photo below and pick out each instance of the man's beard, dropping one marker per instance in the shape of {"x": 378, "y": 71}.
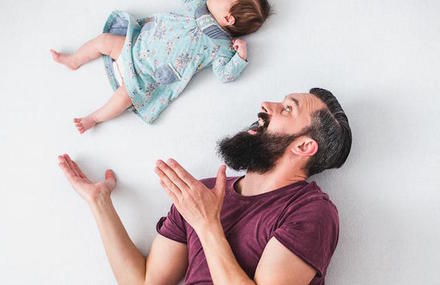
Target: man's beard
{"x": 257, "y": 152}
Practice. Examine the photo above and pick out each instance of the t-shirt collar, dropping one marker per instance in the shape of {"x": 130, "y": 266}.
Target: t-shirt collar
{"x": 231, "y": 188}
{"x": 209, "y": 25}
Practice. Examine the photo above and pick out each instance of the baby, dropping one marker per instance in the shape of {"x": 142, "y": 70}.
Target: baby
{"x": 156, "y": 57}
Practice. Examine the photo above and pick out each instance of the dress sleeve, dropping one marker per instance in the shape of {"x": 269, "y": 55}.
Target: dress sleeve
{"x": 311, "y": 233}
{"x": 227, "y": 69}
{"x": 172, "y": 226}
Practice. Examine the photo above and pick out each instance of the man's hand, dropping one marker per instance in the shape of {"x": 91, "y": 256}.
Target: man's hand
{"x": 87, "y": 189}
{"x": 199, "y": 205}
{"x": 167, "y": 259}
{"x": 239, "y": 46}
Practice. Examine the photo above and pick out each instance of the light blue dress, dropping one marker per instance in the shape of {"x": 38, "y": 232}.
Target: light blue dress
{"x": 163, "y": 52}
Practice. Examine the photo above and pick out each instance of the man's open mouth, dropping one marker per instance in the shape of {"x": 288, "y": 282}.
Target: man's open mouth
{"x": 261, "y": 124}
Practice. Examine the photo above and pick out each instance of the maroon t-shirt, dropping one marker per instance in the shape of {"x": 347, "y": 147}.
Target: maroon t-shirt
{"x": 300, "y": 216}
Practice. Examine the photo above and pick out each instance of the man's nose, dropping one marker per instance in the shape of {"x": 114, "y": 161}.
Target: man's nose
{"x": 265, "y": 107}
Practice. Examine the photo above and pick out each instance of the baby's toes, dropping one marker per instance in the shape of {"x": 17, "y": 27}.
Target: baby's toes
{"x": 80, "y": 129}
{"x": 79, "y": 126}
{"x": 55, "y": 55}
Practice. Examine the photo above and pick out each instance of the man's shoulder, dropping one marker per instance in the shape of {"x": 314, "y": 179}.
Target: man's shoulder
{"x": 312, "y": 200}
{"x": 316, "y": 194}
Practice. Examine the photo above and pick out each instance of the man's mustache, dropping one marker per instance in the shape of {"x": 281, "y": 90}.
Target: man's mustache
{"x": 265, "y": 117}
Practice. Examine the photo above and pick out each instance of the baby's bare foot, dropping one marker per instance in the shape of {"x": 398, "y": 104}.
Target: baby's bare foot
{"x": 65, "y": 59}
{"x": 85, "y": 123}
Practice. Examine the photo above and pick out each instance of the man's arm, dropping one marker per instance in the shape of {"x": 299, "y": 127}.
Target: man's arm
{"x": 277, "y": 265}
{"x": 222, "y": 264}
{"x": 127, "y": 262}
{"x": 201, "y": 208}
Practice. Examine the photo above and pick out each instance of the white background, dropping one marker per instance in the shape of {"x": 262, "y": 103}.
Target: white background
{"x": 380, "y": 58}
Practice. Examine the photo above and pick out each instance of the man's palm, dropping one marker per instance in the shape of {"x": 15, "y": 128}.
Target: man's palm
{"x": 86, "y": 188}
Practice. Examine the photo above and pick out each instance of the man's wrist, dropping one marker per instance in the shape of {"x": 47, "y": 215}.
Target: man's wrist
{"x": 208, "y": 230}
{"x": 100, "y": 201}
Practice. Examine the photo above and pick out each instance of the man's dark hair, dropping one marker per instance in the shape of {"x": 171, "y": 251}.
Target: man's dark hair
{"x": 249, "y": 16}
{"x": 330, "y": 129}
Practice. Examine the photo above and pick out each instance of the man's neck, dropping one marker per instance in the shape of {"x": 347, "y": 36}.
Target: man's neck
{"x": 256, "y": 183}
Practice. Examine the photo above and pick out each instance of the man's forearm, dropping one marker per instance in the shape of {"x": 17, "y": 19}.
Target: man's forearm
{"x": 222, "y": 264}
{"x": 127, "y": 262}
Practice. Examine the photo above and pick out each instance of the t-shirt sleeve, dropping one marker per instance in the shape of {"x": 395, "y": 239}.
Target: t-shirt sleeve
{"x": 311, "y": 232}
{"x": 228, "y": 68}
{"x": 172, "y": 226}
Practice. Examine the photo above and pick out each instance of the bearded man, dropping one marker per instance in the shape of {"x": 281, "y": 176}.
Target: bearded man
{"x": 269, "y": 226}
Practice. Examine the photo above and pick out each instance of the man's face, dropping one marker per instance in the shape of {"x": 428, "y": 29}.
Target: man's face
{"x": 291, "y": 115}
{"x": 265, "y": 142}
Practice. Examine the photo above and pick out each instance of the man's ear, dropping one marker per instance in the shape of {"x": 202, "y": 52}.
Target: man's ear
{"x": 304, "y": 146}
{"x": 230, "y": 20}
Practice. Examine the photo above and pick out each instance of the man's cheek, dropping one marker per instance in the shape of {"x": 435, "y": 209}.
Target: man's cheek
{"x": 274, "y": 127}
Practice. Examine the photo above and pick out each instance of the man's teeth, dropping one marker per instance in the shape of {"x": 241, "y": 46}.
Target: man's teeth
{"x": 260, "y": 122}
{"x": 254, "y": 126}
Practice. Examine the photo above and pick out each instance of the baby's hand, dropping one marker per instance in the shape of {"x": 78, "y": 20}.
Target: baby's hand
{"x": 239, "y": 46}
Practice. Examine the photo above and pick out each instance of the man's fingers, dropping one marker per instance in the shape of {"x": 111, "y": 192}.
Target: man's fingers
{"x": 176, "y": 178}
{"x": 181, "y": 172}
{"x": 70, "y": 163}
{"x": 166, "y": 181}
{"x": 62, "y": 160}
{"x": 78, "y": 170}
{"x": 66, "y": 169}
{"x": 170, "y": 193}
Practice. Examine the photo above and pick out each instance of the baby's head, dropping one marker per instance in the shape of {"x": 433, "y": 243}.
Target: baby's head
{"x": 239, "y": 17}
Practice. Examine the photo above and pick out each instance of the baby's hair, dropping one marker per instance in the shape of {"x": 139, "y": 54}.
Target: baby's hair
{"x": 249, "y": 16}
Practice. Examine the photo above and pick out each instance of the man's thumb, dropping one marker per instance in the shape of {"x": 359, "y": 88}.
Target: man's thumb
{"x": 110, "y": 179}
{"x": 220, "y": 182}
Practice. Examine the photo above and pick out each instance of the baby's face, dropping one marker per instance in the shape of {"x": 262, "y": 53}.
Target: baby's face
{"x": 220, "y": 11}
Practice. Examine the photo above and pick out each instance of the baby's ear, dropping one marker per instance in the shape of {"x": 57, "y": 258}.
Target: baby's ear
{"x": 230, "y": 20}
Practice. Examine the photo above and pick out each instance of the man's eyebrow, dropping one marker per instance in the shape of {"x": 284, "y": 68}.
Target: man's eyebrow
{"x": 294, "y": 100}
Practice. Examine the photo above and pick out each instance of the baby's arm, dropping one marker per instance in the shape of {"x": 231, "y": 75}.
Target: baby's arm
{"x": 229, "y": 68}
{"x": 240, "y": 47}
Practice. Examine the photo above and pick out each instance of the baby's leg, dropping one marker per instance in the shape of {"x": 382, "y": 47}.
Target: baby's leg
{"x": 106, "y": 44}
{"x": 117, "y": 104}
